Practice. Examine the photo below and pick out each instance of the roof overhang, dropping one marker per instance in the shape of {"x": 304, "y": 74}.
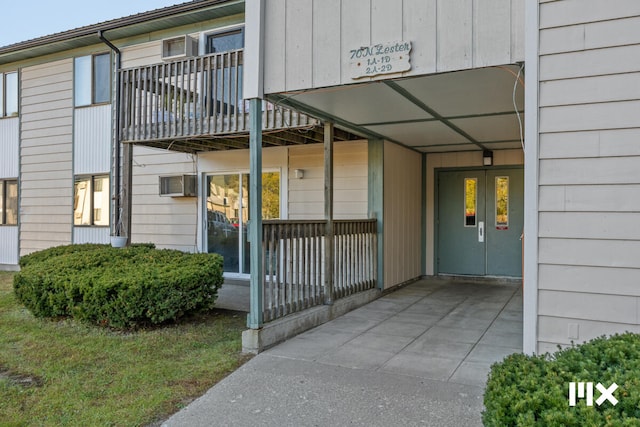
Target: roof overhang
{"x": 141, "y": 23}
{"x": 479, "y": 109}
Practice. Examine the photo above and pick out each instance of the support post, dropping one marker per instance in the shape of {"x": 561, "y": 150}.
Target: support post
{"x": 376, "y": 200}
{"x": 125, "y": 193}
{"x": 255, "y": 318}
{"x": 328, "y": 213}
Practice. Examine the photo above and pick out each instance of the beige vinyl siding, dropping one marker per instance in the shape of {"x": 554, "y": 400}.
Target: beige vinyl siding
{"x": 8, "y": 245}
{"x": 9, "y": 147}
{"x": 147, "y": 49}
{"x": 307, "y": 42}
{"x": 142, "y": 54}
{"x": 402, "y": 214}
{"x": 9, "y": 166}
{"x": 91, "y": 235}
{"x": 306, "y": 196}
{"x": 172, "y": 222}
{"x": 456, "y": 160}
{"x": 92, "y": 140}
{"x": 589, "y": 243}
{"x": 46, "y": 184}
{"x": 169, "y": 222}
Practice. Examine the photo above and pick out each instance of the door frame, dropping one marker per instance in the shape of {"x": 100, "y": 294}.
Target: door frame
{"x": 284, "y": 203}
{"x": 436, "y": 200}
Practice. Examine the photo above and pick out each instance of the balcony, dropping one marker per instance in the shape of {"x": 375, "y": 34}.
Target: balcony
{"x": 195, "y": 104}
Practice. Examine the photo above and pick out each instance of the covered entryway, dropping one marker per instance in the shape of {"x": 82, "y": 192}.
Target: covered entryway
{"x": 453, "y": 121}
{"x": 479, "y": 221}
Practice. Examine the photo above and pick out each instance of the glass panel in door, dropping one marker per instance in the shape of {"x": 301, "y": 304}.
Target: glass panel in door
{"x": 270, "y": 207}
{"x": 223, "y": 217}
{"x": 505, "y": 221}
{"x": 461, "y": 219}
{"x": 226, "y": 84}
{"x": 228, "y": 216}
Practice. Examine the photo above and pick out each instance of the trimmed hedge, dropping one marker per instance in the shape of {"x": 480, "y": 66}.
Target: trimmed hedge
{"x": 533, "y": 390}
{"x": 117, "y": 287}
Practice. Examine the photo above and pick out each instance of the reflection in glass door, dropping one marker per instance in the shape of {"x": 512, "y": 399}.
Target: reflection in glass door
{"x": 227, "y": 207}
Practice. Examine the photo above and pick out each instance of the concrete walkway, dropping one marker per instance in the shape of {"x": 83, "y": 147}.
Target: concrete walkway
{"x": 417, "y": 356}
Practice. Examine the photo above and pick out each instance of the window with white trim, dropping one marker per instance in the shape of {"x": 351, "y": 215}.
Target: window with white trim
{"x": 91, "y": 200}
{"x": 8, "y": 201}
{"x": 92, "y": 81}
{"x": 9, "y": 94}
{"x": 224, "y": 41}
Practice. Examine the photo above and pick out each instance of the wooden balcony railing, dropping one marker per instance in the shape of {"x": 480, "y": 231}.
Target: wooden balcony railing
{"x": 193, "y": 97}
{"x": 293, "y": 258}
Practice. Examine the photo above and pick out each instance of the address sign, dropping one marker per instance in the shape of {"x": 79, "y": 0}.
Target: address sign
{"x": 383, "y": 58}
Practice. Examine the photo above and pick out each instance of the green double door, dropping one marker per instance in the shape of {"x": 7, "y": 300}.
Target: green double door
{"x": 480, "y": 221}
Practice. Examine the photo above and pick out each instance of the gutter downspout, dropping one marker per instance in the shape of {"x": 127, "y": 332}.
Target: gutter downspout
{"x": 116, "y": 148}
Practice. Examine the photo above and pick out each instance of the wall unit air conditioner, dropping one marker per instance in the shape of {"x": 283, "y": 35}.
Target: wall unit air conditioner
{"x": 179, "y": 47}
{"x": 178, "y": 186}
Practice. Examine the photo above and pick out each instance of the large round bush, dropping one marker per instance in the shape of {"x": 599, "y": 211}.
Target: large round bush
{"x": 533, "y": 390}
{"x": 120, "y": 288}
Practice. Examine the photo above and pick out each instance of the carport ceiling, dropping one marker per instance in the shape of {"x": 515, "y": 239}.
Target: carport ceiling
{"x": 458, "y": 111}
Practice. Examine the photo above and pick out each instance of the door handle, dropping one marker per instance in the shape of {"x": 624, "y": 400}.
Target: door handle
{"x": 481, "y": 231}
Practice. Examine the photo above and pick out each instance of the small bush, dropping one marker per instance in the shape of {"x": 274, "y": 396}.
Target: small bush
{"x": 121, "y": 288}
{"x": 533, "y": 390}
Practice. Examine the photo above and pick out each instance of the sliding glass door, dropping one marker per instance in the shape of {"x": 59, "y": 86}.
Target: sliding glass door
{"x": 227, "y": 207}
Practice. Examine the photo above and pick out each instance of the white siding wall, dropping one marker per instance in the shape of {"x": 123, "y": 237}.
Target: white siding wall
{"x": 402, "y": 214}
{"x": 46, "y": 155}
{"x": 9, "y": 147}
{"x": 92, "y": 140}
{"x": 307, "y": 42}
{"x": 306, "y": 196}
{"x": 589, "y": 244}
{"x": 142, "y": 54}
{"x": 169, "y": 222}
{"x": 147, "y": 49}
{"x": 91, "y": 235}
{"x": 92, "y": 156}
{"x": 172, "y": 222}
{"x": 8, "y": 245}
{"x": 456, "y": 160}
{"x": 9, "y": 166}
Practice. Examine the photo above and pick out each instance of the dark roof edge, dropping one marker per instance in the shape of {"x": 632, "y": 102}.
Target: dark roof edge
{"x": 111, "y": 25}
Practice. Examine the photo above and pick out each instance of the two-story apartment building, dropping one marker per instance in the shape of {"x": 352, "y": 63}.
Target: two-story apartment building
{"x": 411, "y": 138}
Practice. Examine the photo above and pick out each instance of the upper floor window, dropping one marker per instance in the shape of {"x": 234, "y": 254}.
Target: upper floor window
{"x": 91, "y": 200}
{"x": 92, "y": 82}
{"x": 9, "y": 94}
{"x": 225, "y": 41}
{"x": 8, "y": 201}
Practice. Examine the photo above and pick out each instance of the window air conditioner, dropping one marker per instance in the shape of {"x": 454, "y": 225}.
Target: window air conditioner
{"x": 178, "y": 186}
{"x": 179, "y": 47}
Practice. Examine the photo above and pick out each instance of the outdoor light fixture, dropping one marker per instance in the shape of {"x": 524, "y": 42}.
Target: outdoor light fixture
{"x": 299, "y": 173}
{"x": 487, "y": 158}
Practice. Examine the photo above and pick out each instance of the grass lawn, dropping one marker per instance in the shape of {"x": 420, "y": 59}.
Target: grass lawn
{"x": 62, "y": 372}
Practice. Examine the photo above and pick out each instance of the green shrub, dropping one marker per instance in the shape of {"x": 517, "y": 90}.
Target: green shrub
{"x": 69, "y": 249}
{"x": 533, "y": 390}
{"x": 120, "y": 288}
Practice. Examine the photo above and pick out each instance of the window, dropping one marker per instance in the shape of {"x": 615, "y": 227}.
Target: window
{"x": 9, "y": 202}
{"x": 502, "y": 202}
{"x": 92, "y": 83}
{"x": 9, "y": 94}
{"x": 223, "y": 42}
{"x": 228, "y": 215}
{"x": 91, "y": 201}
{"x": 470, "y": 201}
{"x": 223, "y": 79}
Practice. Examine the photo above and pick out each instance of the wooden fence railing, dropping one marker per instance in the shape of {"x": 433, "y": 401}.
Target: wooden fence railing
{"x": 294, "y": 269}
{"x": 192, "y": 97}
